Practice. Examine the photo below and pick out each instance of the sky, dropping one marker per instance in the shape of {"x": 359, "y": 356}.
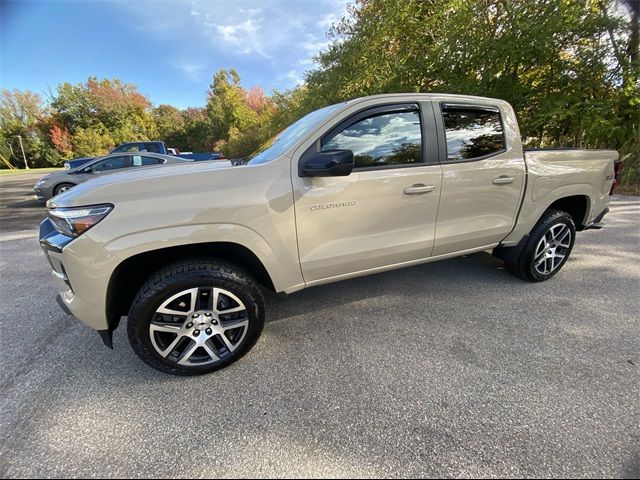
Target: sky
{"x": 170, "y": 49}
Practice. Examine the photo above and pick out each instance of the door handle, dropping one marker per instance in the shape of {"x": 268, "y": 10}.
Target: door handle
{"x": 418, "y": 189}
{"x": 503, "y": 180}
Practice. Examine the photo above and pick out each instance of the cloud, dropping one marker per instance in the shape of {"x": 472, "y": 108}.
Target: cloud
{"x": 294, "y": 77}
{"x": 271, "y": 43}
{"x": 327, "y": 21}
{"x": 315, "y": 46}
{"x": 245, "y": 35}
{"x": 191, "y": 71}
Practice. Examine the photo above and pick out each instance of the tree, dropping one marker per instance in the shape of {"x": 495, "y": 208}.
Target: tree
{"x": 227, "y": 105}
{"x": 62, "y": 141}
{"x": 21, "y": 114}
{"x": 115, "y": 110}
{"x": 171, "y": 126}
{"x": 569, "y": 67}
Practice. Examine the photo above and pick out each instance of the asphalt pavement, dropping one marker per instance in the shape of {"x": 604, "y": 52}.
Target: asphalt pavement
{"x": 451, "y": 369}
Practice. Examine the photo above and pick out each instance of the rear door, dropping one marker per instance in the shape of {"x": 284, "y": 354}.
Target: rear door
{"x": 384, "y": 212}
{"x": 483, "y": 176}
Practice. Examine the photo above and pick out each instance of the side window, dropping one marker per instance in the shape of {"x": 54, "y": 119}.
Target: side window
{"x": 139, "y": 160}
{"x": 132, "y": 147}
{"x": 389, "y": 138}
{"x": 152, "y": 147}
{"x": 472, "y": 133}
{"x": 112, "y": 163}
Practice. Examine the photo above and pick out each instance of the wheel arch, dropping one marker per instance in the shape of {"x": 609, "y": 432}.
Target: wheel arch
{"x": 578, "y": 206}
{"x": 131, "y": 273}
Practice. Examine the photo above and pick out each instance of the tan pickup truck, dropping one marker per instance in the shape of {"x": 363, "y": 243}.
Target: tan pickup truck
{"x": 364, "y": 186}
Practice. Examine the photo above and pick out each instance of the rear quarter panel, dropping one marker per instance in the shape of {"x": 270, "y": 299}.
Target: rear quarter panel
{"x": 556, "y": 174}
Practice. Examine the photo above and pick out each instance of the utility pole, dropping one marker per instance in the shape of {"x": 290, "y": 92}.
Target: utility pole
{"x": 24, "y": 157}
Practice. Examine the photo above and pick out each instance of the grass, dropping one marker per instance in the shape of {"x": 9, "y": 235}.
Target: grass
{"x": 6, "y": 171}
{"x": 628, "y": 190}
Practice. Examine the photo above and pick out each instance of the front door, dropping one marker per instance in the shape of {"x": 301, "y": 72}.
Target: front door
{"x": 384, "y": 212}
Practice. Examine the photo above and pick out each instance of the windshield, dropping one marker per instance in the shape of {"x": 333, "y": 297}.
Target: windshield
{"x": 281, "y": 142}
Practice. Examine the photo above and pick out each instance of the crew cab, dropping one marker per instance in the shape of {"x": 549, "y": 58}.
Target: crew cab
{"x": 360, "y": 187}
{"x": 150, "y": 147}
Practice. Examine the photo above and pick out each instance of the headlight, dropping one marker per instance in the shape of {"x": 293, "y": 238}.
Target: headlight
{"x": 40, "y": 182}
{"x": 75, "y": 221}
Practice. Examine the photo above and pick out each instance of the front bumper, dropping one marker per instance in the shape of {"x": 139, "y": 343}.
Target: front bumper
{"x": 81, "y": 270}
{"x": 40, "y": 194}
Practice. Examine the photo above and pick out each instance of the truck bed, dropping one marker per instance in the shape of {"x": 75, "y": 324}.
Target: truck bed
{"x": 556, "y": 173}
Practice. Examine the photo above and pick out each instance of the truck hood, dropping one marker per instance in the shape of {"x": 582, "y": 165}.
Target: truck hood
{"x": 109, "y": 188}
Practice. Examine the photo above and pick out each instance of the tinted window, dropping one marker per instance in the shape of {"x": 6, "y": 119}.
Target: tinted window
{"x": 472, "y": 133}
{"x": 112, "y": 163}
{"x": 127, "y": 148}
{"x": 152, "y": 147}
{"x": 139, "y": 160}
{"x": 392, "y": 138}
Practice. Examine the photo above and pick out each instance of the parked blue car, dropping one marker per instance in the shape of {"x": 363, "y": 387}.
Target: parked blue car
{"x": 150, "y": 147}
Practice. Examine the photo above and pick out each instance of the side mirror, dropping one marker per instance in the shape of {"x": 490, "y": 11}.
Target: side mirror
{"x": 86, "y": 170}
{"x": 332, "y": 163}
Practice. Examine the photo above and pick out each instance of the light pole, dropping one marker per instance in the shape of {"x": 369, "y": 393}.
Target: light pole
{"x": 24, "y": 157}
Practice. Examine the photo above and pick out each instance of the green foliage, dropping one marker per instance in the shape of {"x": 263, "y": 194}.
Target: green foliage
{"x": 570, "y": 68}
{"x": 92, "y": 141}
{"x": 630, "y": 155}
{"x": 171, "y": 126}
{"x": 21, "y": 114}
{"x": 227, "y": 107}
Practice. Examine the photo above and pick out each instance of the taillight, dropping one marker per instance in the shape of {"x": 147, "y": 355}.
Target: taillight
{"x": 617, "y": 169}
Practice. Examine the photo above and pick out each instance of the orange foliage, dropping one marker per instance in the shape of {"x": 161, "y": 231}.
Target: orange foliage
{"x": 61, "y": 139}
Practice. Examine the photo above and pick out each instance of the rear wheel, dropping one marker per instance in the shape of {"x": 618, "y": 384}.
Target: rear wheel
{"x": 63, "y": 187}
{"x": 195, "y": 317}
{"x": 548, "y": 248}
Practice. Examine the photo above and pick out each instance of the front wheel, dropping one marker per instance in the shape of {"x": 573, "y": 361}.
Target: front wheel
{"x": 548, "y": 248}
{"x": 63, "y": 187}
{"x": 195, "y": 317}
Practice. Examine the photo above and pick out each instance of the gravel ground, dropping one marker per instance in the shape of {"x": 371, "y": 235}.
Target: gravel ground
{"x": 453, "y": 369}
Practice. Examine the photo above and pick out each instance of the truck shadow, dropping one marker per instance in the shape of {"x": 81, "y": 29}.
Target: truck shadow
{"x": 437, "y": 278}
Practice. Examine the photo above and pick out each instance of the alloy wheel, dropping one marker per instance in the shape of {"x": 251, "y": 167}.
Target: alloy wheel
{"x": 199, "y": 326}
{"x": 552, "y": 249}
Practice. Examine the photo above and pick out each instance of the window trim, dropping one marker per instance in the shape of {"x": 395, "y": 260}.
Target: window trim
{"x": 428, "y": 128}
{"x": 110, "y": 157}
{"x": 159, "y": 161}
{"x": 379, "y": 111}
{"x": 444, "y": 160}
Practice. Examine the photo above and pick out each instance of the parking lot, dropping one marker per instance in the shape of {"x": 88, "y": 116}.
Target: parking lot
{"x": 448, "y": 369}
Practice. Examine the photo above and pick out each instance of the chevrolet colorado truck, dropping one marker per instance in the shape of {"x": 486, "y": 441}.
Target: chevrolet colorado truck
{"x": 359, "y": 187}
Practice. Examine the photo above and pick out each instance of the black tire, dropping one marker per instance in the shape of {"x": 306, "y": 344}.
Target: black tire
{"x": 59, "y": 188}
{"x": 188, "y": 274}
{"x": 525, "y": 267}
